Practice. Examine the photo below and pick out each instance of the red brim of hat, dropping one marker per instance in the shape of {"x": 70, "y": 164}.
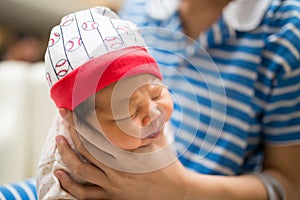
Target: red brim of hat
{"x": 99, "y": 72}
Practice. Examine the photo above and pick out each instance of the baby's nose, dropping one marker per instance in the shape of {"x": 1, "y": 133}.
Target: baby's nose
{"x": 154, "y": 112}
{"x": 153, "y": 115}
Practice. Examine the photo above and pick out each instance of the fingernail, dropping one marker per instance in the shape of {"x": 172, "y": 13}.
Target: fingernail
{"x": 59, "y": 139}
{"x": 63, "y": 112}
{"x": 58, "y": 174}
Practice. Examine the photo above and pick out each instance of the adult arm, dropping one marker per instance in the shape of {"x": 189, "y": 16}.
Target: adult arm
{"x": 174, "y": 181}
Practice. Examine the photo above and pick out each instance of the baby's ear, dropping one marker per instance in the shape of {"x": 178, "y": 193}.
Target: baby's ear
{"x": 67, "y": 116}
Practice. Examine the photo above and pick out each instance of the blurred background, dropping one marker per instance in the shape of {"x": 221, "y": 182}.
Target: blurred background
{"x": 26, "y": 111}
{"x": 25, "y": 22}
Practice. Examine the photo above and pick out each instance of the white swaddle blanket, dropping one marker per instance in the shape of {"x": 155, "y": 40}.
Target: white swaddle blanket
{"x": 153, "y": 157}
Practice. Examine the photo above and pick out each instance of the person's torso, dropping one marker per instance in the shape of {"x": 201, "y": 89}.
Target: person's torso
{"x": 219, "y": 85}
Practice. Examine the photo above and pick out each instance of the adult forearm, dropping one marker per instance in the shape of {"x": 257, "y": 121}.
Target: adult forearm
{"x": 210, "y": 187}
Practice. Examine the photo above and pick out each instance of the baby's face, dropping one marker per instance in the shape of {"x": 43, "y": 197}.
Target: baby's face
{"x": 132, "y": 113}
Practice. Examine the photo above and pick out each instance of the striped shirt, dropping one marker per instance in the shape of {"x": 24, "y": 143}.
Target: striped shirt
{"x": 24, "y": 190}
{"x": 235, "y": 89}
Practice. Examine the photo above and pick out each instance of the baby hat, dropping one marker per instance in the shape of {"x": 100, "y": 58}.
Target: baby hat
{"x": 91, "y": 49}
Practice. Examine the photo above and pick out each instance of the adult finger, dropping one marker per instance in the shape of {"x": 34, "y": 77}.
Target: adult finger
{"x": 67, "y": 116}
{"x": 79, "y": 169}
{"x": 79, "y": 191}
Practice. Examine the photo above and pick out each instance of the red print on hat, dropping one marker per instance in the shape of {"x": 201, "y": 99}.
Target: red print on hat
{"x": 67, "y": 20}
{"x": 89, "y": 25}
{"x": 124, "y": 30}
{"x": 54, "y": 38}
{"x": 62, "y": 67}
{"x": 113, "y": 42}
{"x": 73, "y": 44}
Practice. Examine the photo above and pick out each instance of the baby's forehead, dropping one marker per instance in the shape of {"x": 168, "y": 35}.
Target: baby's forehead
{"x": 125, "y": 89}
{"x": 130, "y": 84}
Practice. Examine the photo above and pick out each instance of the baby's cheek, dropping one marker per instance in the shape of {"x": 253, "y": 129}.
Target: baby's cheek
{"x": 120, "y": 138}
{"x": 168, "y": 106}
{"x": 128, "y": 142}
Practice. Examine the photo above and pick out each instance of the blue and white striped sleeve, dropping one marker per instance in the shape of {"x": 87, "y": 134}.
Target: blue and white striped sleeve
{"x": 134, "y": 10}
{"x": 281, "y": 121}
{"x": 25, "y": 190}
{"x": 282, "y": 117}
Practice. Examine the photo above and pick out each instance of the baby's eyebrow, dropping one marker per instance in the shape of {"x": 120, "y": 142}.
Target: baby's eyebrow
{"x": 128, "y": 99}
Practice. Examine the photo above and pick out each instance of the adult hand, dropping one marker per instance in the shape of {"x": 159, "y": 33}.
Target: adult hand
{"x": 108, "y": 183}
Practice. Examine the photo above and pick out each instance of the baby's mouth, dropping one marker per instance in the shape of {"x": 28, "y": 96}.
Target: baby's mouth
{"x": 156, "y": 133}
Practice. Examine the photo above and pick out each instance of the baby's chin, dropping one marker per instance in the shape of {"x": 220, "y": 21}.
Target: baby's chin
{"x": 151, "y": 145}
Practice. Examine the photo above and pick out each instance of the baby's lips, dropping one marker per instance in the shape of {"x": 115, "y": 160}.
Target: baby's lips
{"x": 155, "y": 127}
